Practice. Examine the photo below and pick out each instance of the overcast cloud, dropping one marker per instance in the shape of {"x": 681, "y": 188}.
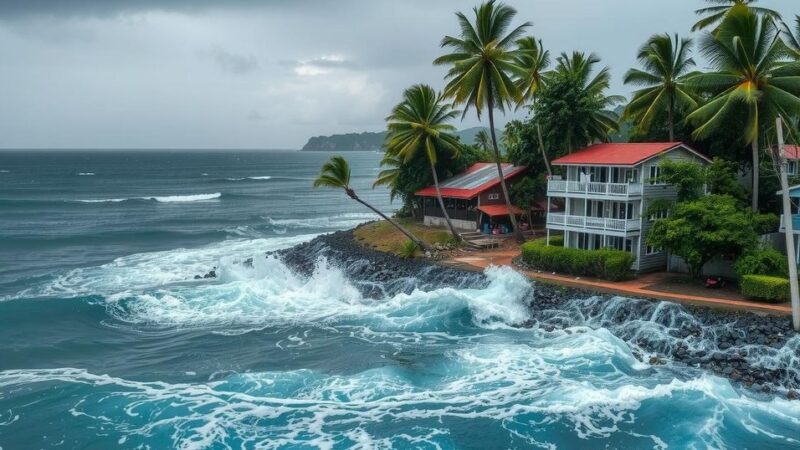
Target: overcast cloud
{"x": 261, "y": 74}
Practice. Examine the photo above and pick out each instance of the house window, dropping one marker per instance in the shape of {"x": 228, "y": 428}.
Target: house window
{"x": 655, "y": 174}
{"x": 494, "y": 196}
{"x": 650, "y": 250}
{"x": 662, "y": 214}
{"x": 792, "y": 167}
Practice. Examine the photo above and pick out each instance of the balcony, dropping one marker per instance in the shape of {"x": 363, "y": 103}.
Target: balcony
{"x": 795, "y": 224}
{"x": 561, "y": 188}
{"x": 592, "y": 224}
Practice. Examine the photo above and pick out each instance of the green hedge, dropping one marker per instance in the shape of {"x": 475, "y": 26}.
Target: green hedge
{"x": 765, "y": 287}
{"x": 555, "y": 241}
{"x": 762, "y": 261}
{"x": 609, "y": 264}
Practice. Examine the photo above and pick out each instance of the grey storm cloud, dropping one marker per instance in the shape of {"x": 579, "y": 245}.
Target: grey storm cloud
{"x": 263, "y": 73}
{"x": 232, "y": 62}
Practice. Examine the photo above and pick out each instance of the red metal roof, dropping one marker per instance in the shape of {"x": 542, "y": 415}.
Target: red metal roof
{"x": 499, "y": 210}
{"x": 620, "y": 153}
{"x": 470, "y": 183}
{"x": 792, "y": 151}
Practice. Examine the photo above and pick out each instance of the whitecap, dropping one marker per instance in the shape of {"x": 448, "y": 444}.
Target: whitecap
{"x": 85, "y": 174}
{"x": 160, "y": 199}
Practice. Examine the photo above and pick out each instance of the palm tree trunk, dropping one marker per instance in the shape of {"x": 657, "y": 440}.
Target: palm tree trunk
{"x": 544, "y": 154}
{"x": 517, "y": 231}
{"x": 754, "y": 148}
{"x": 420, "y": 243}
{"x": 671, "y": 121}
{"x": 456, "y": 236}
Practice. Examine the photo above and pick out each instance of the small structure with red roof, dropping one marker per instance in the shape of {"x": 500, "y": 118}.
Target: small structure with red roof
{"x": 792, "y": 158}
{"x": 607, "y": 190}
{"x": 472, "y": 198}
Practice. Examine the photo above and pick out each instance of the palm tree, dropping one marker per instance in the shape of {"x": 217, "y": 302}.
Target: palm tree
{"x": 751, "y": 78}
{"x": 533, "y": 59}
{"x": 481, "y": 66}
{"x": 716, "y": 14}
{"x": 336, "y": 174}
{"x": 666, "y": 64}
{"x": 792, "y": 38}
{"x": 483, "y": 141}
{"x": 419, "y": 123}
{"x": 592, "y": 120}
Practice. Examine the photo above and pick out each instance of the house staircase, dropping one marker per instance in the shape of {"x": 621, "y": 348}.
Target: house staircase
{"x": 479, "y": 241}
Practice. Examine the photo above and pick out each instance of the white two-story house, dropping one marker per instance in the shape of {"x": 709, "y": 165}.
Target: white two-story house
{"x": 607, "y": 190}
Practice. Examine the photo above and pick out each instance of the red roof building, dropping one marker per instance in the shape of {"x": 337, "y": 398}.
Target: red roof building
{"x": 473, "y": 198}
{"x": 621, "y": 154}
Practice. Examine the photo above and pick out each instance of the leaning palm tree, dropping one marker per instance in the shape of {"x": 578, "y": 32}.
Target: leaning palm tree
{"x": 666, "y": 63}
{"x": 792, "y": 38}
{"x": 420, "y": 124}
{"x": 482, "y": 63}
{"x": 593, "y": 120}
{"x": 533, "y": 59}
{"x": 714, "y": 15}
{"x": 752, "y": 79}
{"x": 336, "y": 174}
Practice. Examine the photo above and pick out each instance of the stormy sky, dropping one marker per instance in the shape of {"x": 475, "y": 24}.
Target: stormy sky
{"x": 261, "y": 74}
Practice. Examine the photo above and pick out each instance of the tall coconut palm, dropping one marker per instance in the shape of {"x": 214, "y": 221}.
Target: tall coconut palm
{"x": 335, "y": 174}
{"x": 751, "y": 78}
{"x": 590, "y": 118}
{"x": 666, "y": 63}
{"x": 533, "y": 59}
{"x": 420, "y": 123}
{"x": 481, "y": 66}
{"x": 792, "y": 38}
{"x": 716, "y": 14}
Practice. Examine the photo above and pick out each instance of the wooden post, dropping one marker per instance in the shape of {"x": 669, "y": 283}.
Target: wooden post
{"x": 788, "y": 227}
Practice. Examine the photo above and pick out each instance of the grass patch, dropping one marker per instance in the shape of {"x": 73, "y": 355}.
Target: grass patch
{"x": 382, "y": 236}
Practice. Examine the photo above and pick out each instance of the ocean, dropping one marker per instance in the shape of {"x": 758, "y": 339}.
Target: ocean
{"x": 107, "y": 339}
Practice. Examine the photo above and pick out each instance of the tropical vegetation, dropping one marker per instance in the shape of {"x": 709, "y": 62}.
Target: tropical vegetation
{"x": 751, "y": 80}
{"x": 606, "y": 263}
{"x": 666, "y": 65}
{"x": 482, "y": 66}
{"x": 420, "y": 123}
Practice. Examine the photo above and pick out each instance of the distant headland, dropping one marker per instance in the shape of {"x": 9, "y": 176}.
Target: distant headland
{"x": 370, "y": 141}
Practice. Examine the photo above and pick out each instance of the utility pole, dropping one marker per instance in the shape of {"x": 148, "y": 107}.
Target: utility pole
{"x": 787, "y": 225}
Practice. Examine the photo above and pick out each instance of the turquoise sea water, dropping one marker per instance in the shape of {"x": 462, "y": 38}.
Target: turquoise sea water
{"x": 108, "y": 341}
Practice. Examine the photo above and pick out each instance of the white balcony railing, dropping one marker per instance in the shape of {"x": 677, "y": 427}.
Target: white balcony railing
{"x": 593, "y": 223}
{"x": 556, "y": 187}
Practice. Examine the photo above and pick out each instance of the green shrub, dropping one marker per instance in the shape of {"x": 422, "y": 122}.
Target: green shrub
{"x": 609, "y": 264}
{"x": 765, "y": 261}
{"x": 408, "y": 249}
{"x": 556, "y": 241}
{"x": 764, "y": 287}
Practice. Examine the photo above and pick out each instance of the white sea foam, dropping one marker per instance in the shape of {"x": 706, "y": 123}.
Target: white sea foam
{"x": 4, "y": 171}
{"x": 85, "y": 174}
{"x": 160, "y": 199}
{"x": 156, "y": 270}
{"x": 265, "y": 177}
{"x": 339, "y": 221}
{"x": 530, "y": 392}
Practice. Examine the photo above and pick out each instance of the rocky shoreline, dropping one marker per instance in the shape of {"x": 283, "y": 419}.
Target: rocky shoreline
{"x": 761, "y": 353}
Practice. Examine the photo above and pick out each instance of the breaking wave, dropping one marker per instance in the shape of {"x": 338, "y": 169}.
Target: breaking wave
{"x": 160, "y": 199}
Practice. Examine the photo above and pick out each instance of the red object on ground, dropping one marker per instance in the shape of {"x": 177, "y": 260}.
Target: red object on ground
{"x": 621, "y": 153}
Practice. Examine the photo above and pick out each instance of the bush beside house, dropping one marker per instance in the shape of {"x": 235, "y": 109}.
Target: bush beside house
{"x": 764, "y": 287}
{"x": 608, "y": 264}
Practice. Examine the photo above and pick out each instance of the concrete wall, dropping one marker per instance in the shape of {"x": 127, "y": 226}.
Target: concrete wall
{"x": 465, "y": 225}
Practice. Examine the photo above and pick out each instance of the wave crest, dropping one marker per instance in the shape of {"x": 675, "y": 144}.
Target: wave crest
{"x": 160, "y": 199}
